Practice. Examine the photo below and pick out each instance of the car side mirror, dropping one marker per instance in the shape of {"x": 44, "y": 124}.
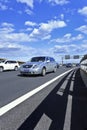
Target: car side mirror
{"x": 48, "y": 61}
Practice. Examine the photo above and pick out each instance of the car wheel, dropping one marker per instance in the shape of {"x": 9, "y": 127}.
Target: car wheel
{"x": 16, "y": 68}
{"x": 1, "y": 69}
{"x": 43, "y": 72}
{"x": 55, "y": 69}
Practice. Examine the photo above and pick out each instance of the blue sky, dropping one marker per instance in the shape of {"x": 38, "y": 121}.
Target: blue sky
{"x": 42, "y": 27}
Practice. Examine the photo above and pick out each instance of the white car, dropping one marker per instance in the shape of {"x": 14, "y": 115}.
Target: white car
{"x": 8, "y": 65}
{"x": 38, "y": 65}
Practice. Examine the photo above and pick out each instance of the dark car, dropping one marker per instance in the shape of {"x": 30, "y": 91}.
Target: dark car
{"x": 78, "y": 64}
{"x": 68, "y": 65}
{"x": 57, "y": 65}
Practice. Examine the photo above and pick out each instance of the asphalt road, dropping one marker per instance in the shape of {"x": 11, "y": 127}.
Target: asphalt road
{"x": 62, "y": 105}
{"x": 13, "y": 85}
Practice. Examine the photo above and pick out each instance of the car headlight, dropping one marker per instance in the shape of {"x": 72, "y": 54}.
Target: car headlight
{"x": 35, "y": 66}
{"x": 20, "y": 67}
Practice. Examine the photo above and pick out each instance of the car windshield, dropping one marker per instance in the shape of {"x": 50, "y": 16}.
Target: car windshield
{"x": 37, "y": 59}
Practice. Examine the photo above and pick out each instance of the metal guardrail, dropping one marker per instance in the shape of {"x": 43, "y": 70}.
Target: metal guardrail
{"x": 83, "y": 65}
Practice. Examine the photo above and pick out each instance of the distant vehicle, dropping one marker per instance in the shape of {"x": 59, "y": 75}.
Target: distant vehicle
{"x": 8, "y": 65}
{"x": 57, "y": 65}
{"x": 78, "y": 64}
{"x": 68, "y": 65}
{"x": 39, "y": 65}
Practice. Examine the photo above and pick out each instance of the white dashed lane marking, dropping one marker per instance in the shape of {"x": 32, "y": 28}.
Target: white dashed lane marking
{"x": 44, "y": 123}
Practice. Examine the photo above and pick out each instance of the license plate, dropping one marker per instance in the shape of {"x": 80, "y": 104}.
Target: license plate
{"x": 26, "y": 70}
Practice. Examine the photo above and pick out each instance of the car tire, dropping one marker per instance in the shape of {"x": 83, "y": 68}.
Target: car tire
{"x": 55, "y": 68}
{"x": 16, "y": 68}
{"x": 43, "y": 72}
{"x": 1, "y": 69}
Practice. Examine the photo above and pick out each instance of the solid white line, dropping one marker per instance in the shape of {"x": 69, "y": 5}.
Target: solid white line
{"x": 19, "y": 100}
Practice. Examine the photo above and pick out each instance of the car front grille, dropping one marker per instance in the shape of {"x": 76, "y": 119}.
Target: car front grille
{"x": 27, "y": 66}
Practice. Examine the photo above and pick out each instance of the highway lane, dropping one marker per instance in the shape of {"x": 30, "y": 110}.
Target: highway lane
{"x": 12, "y": 85}
{"x": 61, "y": 105}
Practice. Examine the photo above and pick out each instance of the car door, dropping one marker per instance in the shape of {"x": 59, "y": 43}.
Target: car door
{"x": 48, "y": 64}
{"x": 7, "y": 65}
{"x": 12, "y": 65}
{"x": 53, "y": 64}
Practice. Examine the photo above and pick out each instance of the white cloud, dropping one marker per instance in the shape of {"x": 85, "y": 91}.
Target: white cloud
{"x": 82, "y": 29}
{"x": 14, "y": 37}
{"x": 62, "y": 16}
{"x": 59, "y": 52}
{"x": 70, "y": 49}
{"x": 27, "y": 2}
{"x": 68, "y": 38}
{"x": 28, "y": 29}
{"x": 12, "y": 43}
{"x": 83, "y": 11}
{"x": 16, "y": 51}
{"x": 51, "y": 25}
{"x": 60, "y": 49}
{"x": 8, "y": 34}
{"x": 30, "y": 23}
{"x": 28, "y": 11}
{"x": 59, "y": 2}
{"x": 46, "y": 28}
{"x": 6, "y": 28}
{"x": 5, "y": 24}
{"x": 46, "y": 37}
{"x": 3, "y": 7}
{"x": 17, "y": 37}
{"x": 30, "y": 3}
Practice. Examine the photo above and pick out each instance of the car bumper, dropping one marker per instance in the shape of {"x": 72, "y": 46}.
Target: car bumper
{"x": 30, "y": 71}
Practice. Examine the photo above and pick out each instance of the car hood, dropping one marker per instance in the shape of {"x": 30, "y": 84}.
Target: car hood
{"x": 33, "y": 63}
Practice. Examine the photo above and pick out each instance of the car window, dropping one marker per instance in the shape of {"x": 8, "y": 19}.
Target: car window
{"x": 13, "y": 62}
{"x": 7, "y": 62}
{"x": 10, "y": 62}
{"x": 47, "y": 59}
{"x": 51, "y": 59}
{"x": 2, "y": 61}
{"x": 37, "y": 59}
